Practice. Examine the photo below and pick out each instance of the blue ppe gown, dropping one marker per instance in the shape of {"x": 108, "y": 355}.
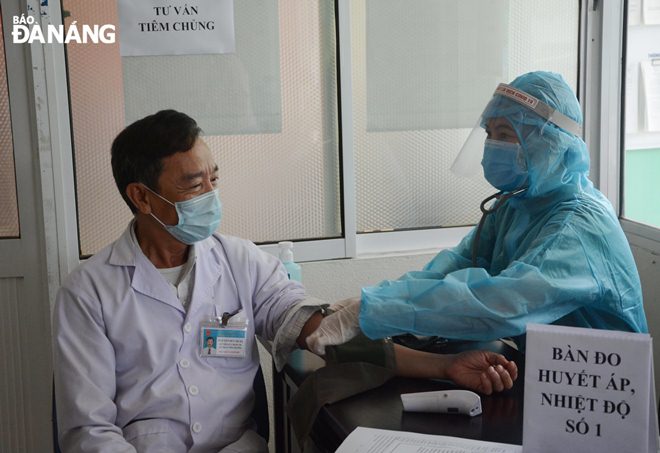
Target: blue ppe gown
{"x": 555, "y": 254}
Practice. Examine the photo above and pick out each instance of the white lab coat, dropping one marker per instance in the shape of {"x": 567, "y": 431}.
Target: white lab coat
{"x": 128, "y": 370}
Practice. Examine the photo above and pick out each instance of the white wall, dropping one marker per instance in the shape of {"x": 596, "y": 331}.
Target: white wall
{"x": 339, "y": 279}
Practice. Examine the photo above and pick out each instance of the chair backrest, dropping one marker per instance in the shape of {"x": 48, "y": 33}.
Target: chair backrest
{"x": 260, "y": 411}
{"x": 56, "y": 441}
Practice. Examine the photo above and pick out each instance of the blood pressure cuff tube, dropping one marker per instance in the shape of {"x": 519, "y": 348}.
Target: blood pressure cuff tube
{"x": 352, "y": 368}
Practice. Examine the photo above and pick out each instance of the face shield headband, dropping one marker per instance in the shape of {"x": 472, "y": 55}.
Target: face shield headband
{"x": 540, "y": 108}
{"x": 467, "y": 162}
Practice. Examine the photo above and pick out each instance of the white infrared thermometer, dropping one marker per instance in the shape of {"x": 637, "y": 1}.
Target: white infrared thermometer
{"x": 444, "y": 401}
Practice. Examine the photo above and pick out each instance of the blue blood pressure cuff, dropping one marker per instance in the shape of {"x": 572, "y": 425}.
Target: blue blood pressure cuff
{"x": 351, "y": 368}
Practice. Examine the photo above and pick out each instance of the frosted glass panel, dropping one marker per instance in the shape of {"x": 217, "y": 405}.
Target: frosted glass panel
{"x": 9, "y": 226}
{"x": 279, "y": 185}
{"x": 235, "y": 93}
{"x": 406, "y": 139}
{"x": 433, "y": 66}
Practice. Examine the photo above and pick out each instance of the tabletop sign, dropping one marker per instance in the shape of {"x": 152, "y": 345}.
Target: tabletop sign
{"x": 154, "y": 27}
{"x": 588, "y": 390}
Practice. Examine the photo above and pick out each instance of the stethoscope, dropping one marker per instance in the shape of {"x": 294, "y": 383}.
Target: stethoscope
{"x": 500, "y": 198}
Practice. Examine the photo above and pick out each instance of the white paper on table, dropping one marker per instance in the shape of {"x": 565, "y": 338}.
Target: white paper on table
{"x": 634, "y": 12}
{"x": 649, "y": 94}
{"x": 370, "y": 440}
{"x": 651, "y": 11}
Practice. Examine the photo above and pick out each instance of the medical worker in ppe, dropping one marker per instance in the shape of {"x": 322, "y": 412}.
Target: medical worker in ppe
{"x": 548, "y": 249}
{"x": 154, "y": 336}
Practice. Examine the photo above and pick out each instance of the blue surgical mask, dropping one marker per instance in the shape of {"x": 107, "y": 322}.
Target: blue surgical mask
{"x": 199, "y": 217}
{"x": 504, "y": 165}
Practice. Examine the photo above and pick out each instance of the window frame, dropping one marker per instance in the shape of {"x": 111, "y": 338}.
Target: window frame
{"x": 600, "y": 96}
{"x": 611, "y": 105}
{"x": 437, "y": 238}
{"x": 639, "y": 234}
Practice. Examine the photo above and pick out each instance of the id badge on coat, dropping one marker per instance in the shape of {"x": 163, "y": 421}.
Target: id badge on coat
{"x": 224, "y": 336}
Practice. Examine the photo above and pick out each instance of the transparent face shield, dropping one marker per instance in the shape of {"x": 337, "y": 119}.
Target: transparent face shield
{"x": 498, "y": 139}
{"x": 504, "y": 122}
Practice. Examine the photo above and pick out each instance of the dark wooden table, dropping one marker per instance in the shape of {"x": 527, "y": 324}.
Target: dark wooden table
{"x": 501, "y": 420}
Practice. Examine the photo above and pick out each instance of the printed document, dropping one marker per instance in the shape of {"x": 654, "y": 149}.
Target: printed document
{"x": 370, "y": 440}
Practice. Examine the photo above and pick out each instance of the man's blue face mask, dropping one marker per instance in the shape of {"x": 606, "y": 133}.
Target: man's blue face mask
{"x": 199, "y": 217}
{"x": 504, "y": 165}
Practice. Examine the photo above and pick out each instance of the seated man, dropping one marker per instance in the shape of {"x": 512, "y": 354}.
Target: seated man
{"x": 550, "y": 248}
{"x": 139, "y": 361}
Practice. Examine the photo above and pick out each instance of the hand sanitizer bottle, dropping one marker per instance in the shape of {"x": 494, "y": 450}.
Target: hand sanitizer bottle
{"x": 286, "y": 255}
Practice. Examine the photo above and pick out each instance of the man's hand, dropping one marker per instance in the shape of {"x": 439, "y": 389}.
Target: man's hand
{"x": 482, "y": 371}
{"x": 338, "y": 328}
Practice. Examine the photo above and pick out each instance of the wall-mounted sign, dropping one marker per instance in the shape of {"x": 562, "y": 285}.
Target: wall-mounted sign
{"x": 149, "y": 27}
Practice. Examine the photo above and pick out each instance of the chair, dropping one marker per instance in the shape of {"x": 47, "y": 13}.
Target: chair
{"x": 56, "y": 441}
{"x": 260, "y": 410}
